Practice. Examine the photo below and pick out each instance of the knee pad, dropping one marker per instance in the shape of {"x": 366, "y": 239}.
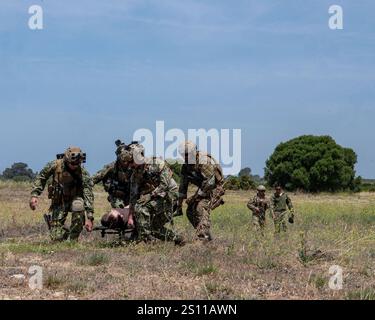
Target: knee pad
{"x": 78, "y": 205}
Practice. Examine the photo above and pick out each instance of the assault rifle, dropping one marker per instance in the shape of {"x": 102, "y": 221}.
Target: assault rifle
{"x": 48, "y": 219}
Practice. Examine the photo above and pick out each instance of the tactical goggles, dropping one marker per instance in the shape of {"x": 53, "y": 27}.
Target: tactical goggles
{"x": 77, "y": 158}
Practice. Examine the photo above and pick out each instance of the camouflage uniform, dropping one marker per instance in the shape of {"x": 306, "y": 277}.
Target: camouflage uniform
{"x": 153, "y": 195}
{"x": 69, "y": 192}
{"x": 207, "y": 175}
{"x": 116, "y": 181}
{"x": 259, "y": 218}
{"x": 279, "y": 206}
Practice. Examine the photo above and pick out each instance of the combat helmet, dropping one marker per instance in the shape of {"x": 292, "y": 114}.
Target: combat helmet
{"x": 187, "y": 147}
{"x": 261, "y": 188}
{"x": 120, "y": 146}
{"x": 125, "y": 156}
{"x": 74, "y": 155}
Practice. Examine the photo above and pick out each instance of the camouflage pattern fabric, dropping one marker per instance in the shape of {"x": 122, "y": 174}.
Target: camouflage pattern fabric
{"x": 206, "y": 174}
{"x": 198, "y": 213}
{"x": 118, "y": 203}
{"x": 259, "y": 218}
{"x": 151, "y": 217}
{"x": 153, "y": 193}
{"x": 279, "y": 206}
{"x": 202, "y": 174}
{"x": 75, "y": 186}
{"x": 281, "y": 203}
{"x": 116, "y": 181}
{"x": 58, "y": 230}
{"x": 279, "y": 218}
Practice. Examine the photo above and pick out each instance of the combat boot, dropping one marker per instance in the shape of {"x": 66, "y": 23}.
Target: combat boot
{"x": 205, "y": 238}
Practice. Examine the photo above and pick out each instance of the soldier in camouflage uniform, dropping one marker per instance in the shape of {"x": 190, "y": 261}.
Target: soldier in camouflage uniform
{"x": 280, "y": 203}
{"x": 70, "y": 191}
{"x": 202, "y": 170}
{"x": 153, "y": 196}
{"x": 116, "y": 178}
{"x": 259, "y": 206}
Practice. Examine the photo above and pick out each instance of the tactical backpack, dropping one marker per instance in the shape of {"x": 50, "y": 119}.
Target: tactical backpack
{"x": 219, "y": 191}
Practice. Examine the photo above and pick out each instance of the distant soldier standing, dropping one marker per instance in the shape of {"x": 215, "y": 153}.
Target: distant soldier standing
{"x": 259, "y": 206}
{"x": 202, "y": 170}
{"x": 280, "y": 203}
{"x": 70, "y": 191}
{"x": 153, "y": 198}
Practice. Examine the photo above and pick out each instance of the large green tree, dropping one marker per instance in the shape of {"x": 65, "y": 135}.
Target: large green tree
{"x": 245, "y": 172}
{"x": 312, "y": 163}
{"x": 18, "y": 172}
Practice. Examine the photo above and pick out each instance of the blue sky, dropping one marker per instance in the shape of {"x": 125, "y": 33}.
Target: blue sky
{"x": 102, "y": 69}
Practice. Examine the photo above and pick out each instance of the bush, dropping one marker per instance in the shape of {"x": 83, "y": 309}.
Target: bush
{"x": 312, "y": 163}
{"x": 175, "y": 166}
{"x": 239, "y": 183}
{"x": 245, "y": 172}
{"x": 246, "y": 183}
{"x": 18, "y": 172}
{"x": 368, "y": 185}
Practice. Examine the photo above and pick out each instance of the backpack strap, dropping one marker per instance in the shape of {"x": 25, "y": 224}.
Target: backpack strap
{"x": 218, "y": 170}
{"x": 58, "y": 171}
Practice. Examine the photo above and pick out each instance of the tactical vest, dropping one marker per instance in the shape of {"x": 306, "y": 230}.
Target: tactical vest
{"x": 118, "y": 185}
{"x": 196, "y": 177}
{"x": 70, "y": 183}
{"x": 219, "y": 176}
{"x": 122, "y": 177}
{"x": 260, "y": 203}
{"x": 152, "y": 174}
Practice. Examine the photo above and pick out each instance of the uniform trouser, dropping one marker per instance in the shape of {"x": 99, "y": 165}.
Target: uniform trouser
{"x": 259, "y": 220}
{"x": 58, "y": 230}
{"x": 198, "y": 213}
{"x": 279, "y": 221}
{"x": 151, "y": 218}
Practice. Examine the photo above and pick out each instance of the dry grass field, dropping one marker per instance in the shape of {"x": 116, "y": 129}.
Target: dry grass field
{"x": 238, "y": 264}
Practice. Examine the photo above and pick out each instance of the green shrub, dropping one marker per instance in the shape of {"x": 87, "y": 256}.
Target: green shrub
{"x": 313, "y": 163}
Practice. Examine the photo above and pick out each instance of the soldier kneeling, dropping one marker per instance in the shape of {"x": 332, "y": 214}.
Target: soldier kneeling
{"x": 153, "y": 195}
{"x": 116, "y": 181}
